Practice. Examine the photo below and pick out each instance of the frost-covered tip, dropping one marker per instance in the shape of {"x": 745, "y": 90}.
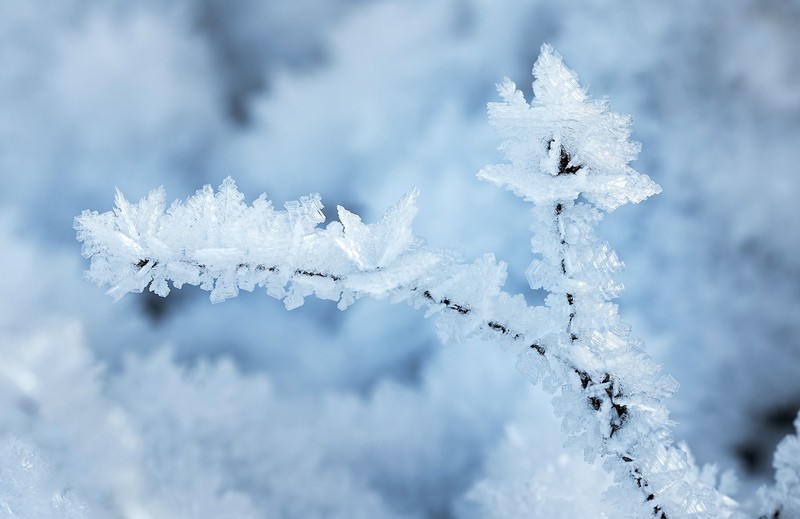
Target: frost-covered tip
{"x": 564, "y": 144}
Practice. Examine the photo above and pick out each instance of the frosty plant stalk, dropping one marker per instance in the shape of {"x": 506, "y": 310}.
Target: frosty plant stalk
{"x": 566, "y": 154}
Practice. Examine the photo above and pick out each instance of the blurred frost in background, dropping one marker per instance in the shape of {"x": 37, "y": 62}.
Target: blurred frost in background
{"x": 176, "y": 408}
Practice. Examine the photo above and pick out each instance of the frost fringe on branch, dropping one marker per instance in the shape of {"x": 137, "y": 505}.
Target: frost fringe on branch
{"x": 569, "y": 156}
{"x": 218, "y": 242}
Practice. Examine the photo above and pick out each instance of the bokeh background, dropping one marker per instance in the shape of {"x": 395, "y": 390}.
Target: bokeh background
{"x": 175, "y": 407}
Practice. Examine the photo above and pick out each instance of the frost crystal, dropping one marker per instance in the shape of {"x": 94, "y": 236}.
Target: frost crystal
{"x": 374, "y": 246}
{"x": 783, "y": 499}
{"x": 563, "y": 144}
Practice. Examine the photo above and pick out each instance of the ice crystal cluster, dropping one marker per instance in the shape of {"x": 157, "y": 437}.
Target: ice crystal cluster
{"x": 567, "y": 154}
{"x": 783, "y": 500}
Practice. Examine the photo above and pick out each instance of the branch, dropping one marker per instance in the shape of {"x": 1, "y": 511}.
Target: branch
{"x": 222, "y": 245}
{"x": 568, "y": 155}
{"x": 215, "y": 241}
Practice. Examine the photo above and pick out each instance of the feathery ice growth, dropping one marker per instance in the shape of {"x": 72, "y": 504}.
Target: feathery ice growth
{"x": 568, "y": 155}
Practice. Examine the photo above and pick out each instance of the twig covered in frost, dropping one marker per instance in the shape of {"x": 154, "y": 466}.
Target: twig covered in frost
{"x": 221, "y": 244}
{"x": 569, "y": 156}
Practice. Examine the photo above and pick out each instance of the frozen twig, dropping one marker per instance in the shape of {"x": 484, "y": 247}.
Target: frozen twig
{"x": 569, "y": 156}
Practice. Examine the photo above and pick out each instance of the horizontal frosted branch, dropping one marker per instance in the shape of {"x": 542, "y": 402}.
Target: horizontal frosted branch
{"x": 217, "y": 242}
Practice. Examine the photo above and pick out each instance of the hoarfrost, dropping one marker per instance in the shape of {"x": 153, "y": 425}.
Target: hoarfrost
{"x": 563, "y": 144}
{"x": 569, "y": 155}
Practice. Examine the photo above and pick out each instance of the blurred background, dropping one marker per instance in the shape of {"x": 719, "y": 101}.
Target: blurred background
{"x": 175, "y": 407}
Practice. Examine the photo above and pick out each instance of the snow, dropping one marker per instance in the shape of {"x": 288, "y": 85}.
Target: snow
{"x": 361, "y": 101}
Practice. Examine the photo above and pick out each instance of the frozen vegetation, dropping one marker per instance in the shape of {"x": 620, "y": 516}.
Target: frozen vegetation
{"x": 569, "y": 156}
{"x": 171, "y": 407}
